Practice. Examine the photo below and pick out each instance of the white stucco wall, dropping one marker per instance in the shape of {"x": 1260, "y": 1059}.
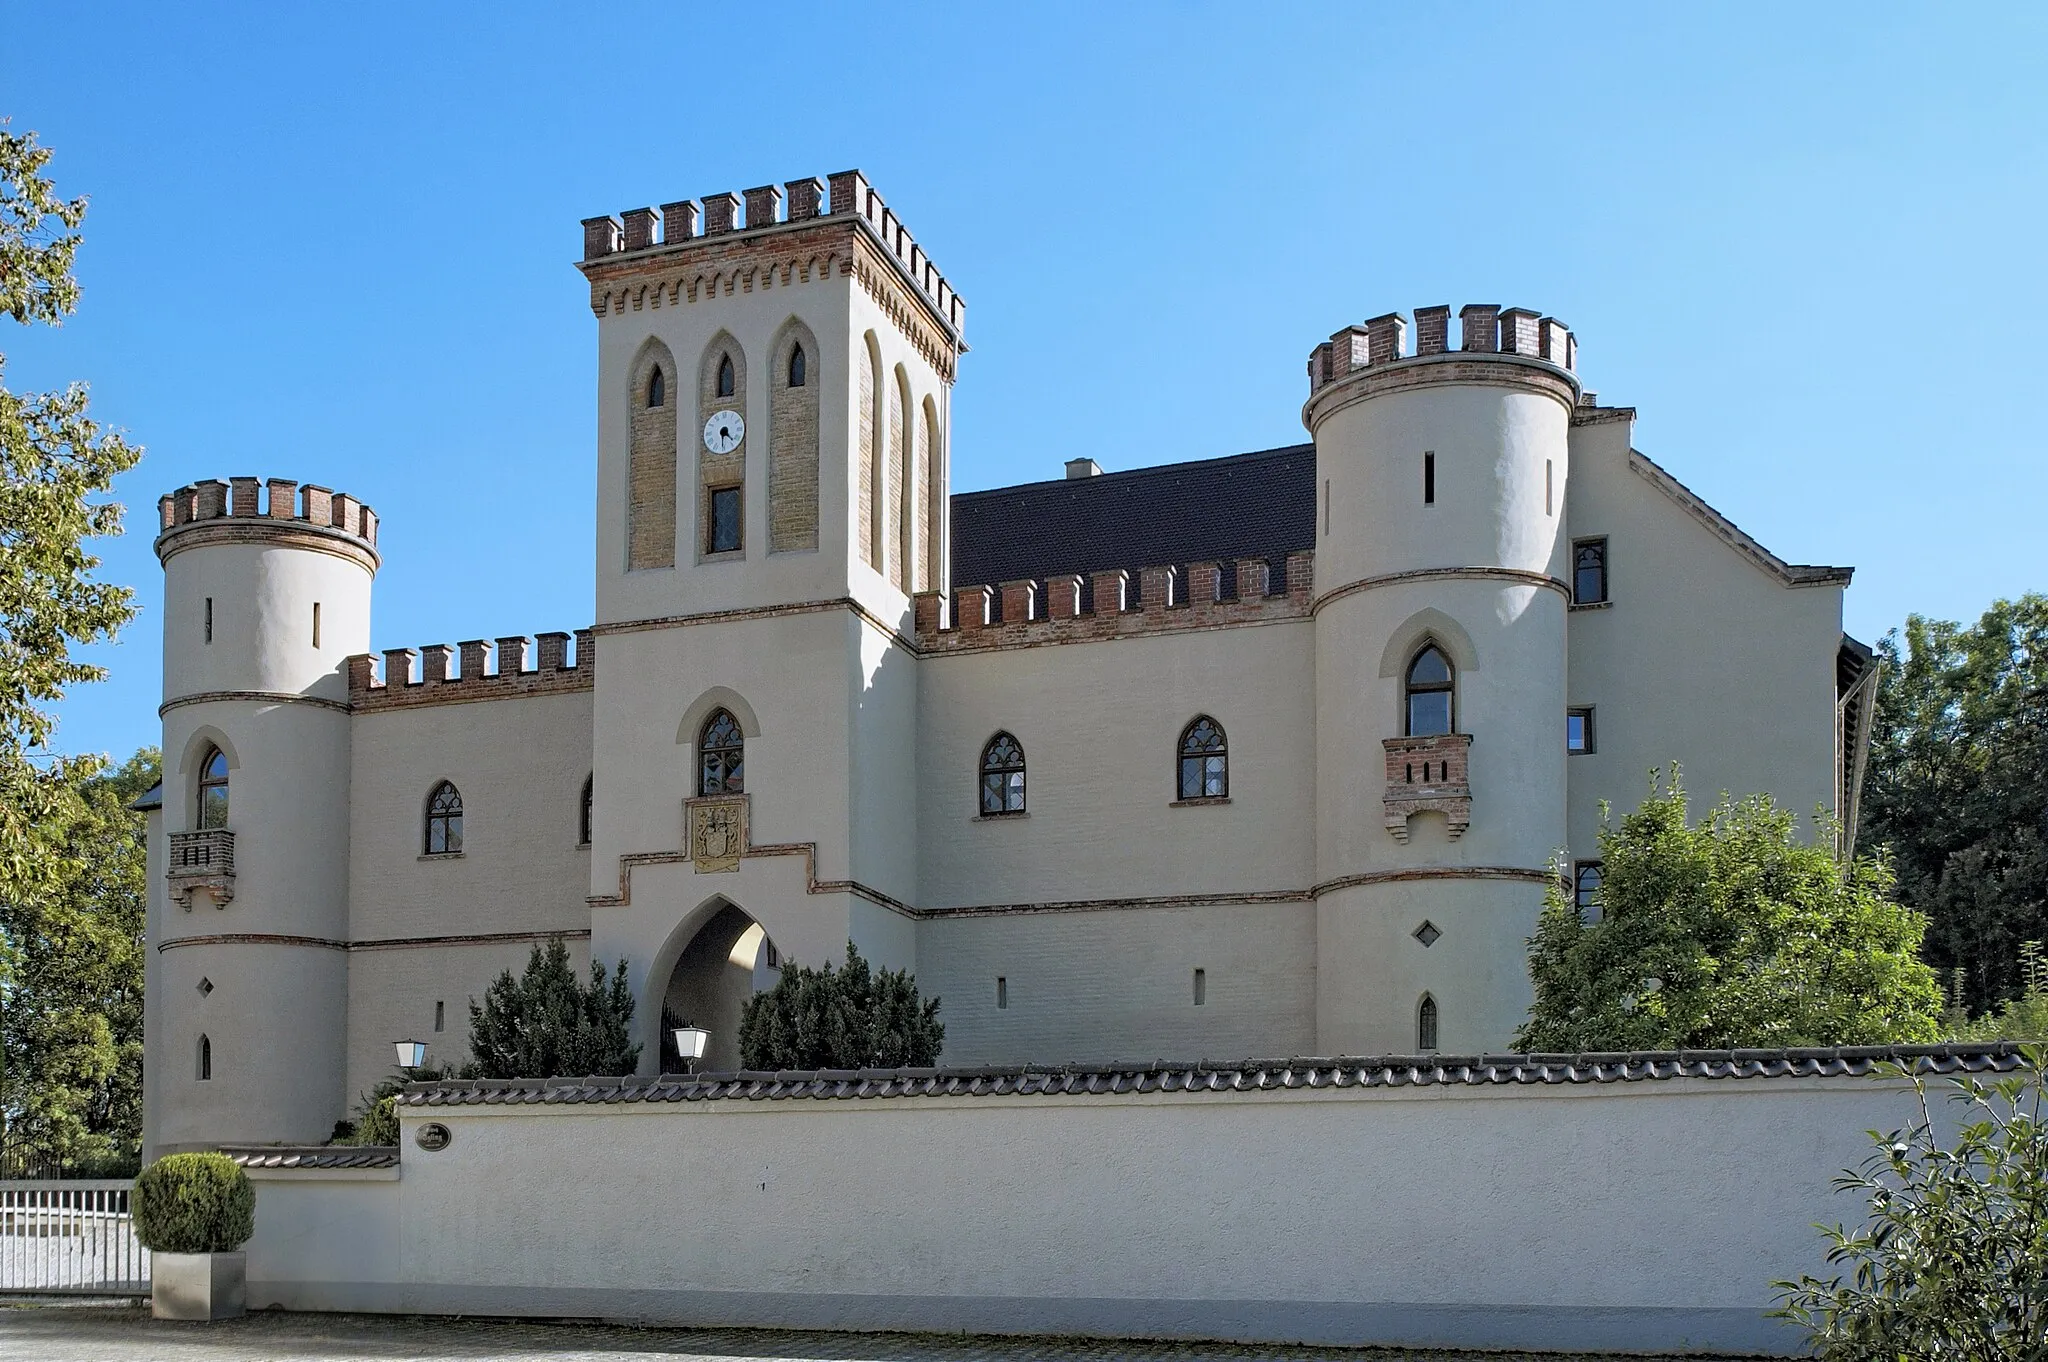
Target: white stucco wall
{"x": 1647, "y": 1216}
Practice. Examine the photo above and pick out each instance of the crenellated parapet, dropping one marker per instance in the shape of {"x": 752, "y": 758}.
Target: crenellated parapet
{"x": 1497, "y": 344}
{"x": 488, "y": 670}
{"x": 254, "y": 510}
{"x": 767, "y": 237}
{"x": 1115, "y": 604}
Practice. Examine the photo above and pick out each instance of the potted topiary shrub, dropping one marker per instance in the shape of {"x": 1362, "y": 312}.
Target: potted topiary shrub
{"x": 193, "y": 1212}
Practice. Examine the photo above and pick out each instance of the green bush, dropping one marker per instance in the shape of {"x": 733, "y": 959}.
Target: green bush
{"x": 194, "y": 1203}
{"x": 849, "y": 1017}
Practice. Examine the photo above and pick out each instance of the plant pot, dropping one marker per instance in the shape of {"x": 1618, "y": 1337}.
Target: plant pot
{"x": 198, "y": 1285}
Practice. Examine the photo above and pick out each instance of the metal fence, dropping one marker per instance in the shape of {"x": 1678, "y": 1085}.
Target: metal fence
{"x": 70, "y": 1238}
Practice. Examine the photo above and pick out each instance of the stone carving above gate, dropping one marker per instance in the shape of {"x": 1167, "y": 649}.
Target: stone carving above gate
{"x": 715, "y": 831}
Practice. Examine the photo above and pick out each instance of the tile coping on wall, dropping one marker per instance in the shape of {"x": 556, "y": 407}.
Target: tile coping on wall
{"x": 1269, "y": 1075}
{"x": 312, "y": 1156}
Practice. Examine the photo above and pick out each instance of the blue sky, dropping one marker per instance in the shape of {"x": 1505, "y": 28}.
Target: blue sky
{"x": 334, "y": 243}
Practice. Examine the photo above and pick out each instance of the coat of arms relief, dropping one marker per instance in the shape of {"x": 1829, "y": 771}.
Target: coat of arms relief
{"x": 716, "y": 827}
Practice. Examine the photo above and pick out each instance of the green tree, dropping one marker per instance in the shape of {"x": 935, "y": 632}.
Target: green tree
{"x": 1952, "y": 1262}
{"x": 1957, "y": 788}
{"x": 850, "y": 1017}
{"x": 1732, "y": 933}
{"x": 54, "y": 460}
{"x": 545, "y": 1024}
{"x": 2024, "y": 1018}
{"x": 71, "y": 999}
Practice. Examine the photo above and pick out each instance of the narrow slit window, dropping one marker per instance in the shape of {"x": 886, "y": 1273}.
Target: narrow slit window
{"x": 797, "y": 376}
{"x": 1548, "y": 484}
{"x": 440, "y": 1015}
{"x": 1201, "y": 987}
{"x": 725, "y": 520}
{"x": 316, "y": 624}
{"x": 1002, "y": 992}
{"x": 725, "y": 376}
{"x": 1326, "y": 508}
{"x": 1425, "y": 1024}
{"x": 205, "y": 1059}
{"x": 209, "y": 619}
{"x": 583, "y": 819}
{"x": 1578, "y": 730}
{"x": 657, "y": 389}
{"x": 1429, "y": 479}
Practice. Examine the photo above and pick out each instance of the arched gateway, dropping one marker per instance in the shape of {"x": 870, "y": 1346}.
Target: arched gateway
{"x": 717, "y": 967}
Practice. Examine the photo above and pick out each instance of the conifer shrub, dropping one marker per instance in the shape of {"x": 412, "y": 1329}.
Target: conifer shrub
{"x": 848, "y": 1017}
{"x": 194, "y": 1203}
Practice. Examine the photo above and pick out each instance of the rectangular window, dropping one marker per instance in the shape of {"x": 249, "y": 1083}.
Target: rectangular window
{"x": 316, "y": 624}
{"x": 1429, "y": 478}
{"x": 1589, "y": 571}
{"x": 725, "y": 520}
{"x": 1578, "y": 730}
{"x": 774, "y": 957}
{"x": 209, "y": 619}
{"x": 440, "y": 1015}
{"x": 1201, "y": 987}
{"x": 1002, "y": 992}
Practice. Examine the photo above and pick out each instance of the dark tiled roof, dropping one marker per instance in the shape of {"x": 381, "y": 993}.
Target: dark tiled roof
{"x": 313, "y": 1155}
{"x": 152, "y": 798}
{"x": 1274, "y": 1075}
{"x": 1260, "y": 505}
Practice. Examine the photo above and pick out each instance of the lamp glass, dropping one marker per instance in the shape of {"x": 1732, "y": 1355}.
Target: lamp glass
{"x": 412, "y": 1054}
{"x": 690, "y": 1041}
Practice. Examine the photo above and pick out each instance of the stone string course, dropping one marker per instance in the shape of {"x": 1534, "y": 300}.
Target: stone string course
{"x": 1484, "y": 329}
{"x": 1240, "y": 1076}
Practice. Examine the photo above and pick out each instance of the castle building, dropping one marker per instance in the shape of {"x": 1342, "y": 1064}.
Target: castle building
{"x": 1271, "y": 754}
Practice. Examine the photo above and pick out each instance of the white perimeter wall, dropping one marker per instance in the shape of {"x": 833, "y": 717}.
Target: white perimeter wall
{"x": 1643, "y": 1216}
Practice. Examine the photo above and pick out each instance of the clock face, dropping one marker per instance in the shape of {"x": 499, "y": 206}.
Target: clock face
{"x": 723, "y": 432}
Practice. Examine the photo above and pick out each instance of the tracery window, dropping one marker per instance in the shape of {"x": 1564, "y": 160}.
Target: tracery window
{"x": 796, "y": 367}
{"x": 444, "y": 820}
{"x": 721, "y": 755}
{"x": 1002, "y": 777}
{"x": 1204, "y": 760}
{"x": 1589, "y": 571}
{"x": 1425, "y": 1024}
{"x": 725, "y": 376}
{"x": 1429, "y": 691}
{"x": 657, "y": 388}
{"x": 213, "y": 789}
{"x": 1586, "y": 890}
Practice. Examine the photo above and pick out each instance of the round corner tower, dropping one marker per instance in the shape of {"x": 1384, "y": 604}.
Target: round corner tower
{"x": 266, "y": 596}
{"x": 1440, "y": 671}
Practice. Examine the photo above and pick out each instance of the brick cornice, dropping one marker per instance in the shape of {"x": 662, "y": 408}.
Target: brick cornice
{"x": 253, "y": 530}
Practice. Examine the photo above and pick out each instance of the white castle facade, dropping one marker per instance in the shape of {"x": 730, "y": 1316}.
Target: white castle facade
{"x": 1264, "y": 755}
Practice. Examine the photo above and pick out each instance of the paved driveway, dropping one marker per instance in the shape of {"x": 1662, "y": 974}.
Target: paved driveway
{"x": 76, "y": 1333}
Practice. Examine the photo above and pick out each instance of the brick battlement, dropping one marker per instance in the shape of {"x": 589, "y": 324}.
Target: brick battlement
{"x": 1114, "y": 604}
{"x": 1484, "y": 329}
{"x": 552, "y": 672}
{"x": 243, "y": 509}
{"x": 687, "y": 225}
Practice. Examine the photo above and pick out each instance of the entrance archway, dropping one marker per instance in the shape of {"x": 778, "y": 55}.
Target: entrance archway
{"x": 728, "y": 961}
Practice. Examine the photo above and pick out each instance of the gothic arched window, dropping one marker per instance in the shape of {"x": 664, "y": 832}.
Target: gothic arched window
{"x": 1002, "y": 776}
{"x": 444, "y": 820}
{"x": 1429, "y": 688}
{"x": 657, "y": 388}
{"x": 213, "y": 789}
{"x": 1586, "y": 890}
{"x": 205, "y": 1059}
{"x": 1425, "y": 1024}
{"x": 797, "y": 376}
{"x": 725, "y": 376}
{"x": 583, "y": 817}
{"x": 1204, "y": 760}
{"x": 721, "y": 755}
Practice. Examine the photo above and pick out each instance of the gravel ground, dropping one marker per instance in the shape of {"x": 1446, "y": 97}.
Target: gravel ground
{"x": 101, "y": 1333}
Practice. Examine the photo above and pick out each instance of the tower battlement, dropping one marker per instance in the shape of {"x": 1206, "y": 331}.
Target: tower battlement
{"x": 1485, "y": 329}
{"x": 688, "y": 226}
{"x": 246, "y": 509}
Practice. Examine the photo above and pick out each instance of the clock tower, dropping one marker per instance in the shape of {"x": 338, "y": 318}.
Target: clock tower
{"x": 774, "y": 383}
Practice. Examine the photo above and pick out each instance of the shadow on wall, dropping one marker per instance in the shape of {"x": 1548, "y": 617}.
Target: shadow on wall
{"x": 725, "y": 964}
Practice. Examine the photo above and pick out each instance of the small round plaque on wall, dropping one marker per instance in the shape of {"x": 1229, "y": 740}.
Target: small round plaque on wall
{"x": 432, "y": 1136}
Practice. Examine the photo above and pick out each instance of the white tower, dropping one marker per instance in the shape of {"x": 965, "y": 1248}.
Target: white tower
{"x": 266, "y": 593}
{"x": 1440, "y": 671}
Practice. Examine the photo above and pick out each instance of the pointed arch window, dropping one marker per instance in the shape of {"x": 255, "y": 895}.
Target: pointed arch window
{"x": 1430, "y": 684}
{"x": 205, "y": 1059}
{"x": 444, "y": 820}
{"x": 721, "y": 755}
{"x": 1204, "y": 760}
{"x": 1002, "y": 777}
{"x": 725, "y": 376}
{"x": 657, "y": 388}
{"x": 213, "y": 789}
{"x": 583, "y": 814}
{"x": 1425, "y": 1024}
{"x": 797, "y": 371}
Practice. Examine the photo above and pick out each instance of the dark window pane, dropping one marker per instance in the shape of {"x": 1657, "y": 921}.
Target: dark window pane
{"x": 657, "y": 389}
{"x": 725, "y": 520}
{"x": 1429, "y": 713}
{"x": 725, "y": 377}
{"x": 1589, "y": 572}
{"x": 721, "y": 752}
{"x": 796, "y": 367}
{"x": 1575, "y": 731}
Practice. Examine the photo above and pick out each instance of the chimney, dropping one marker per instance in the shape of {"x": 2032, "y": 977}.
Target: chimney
{"x": 1083, "y": 468}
